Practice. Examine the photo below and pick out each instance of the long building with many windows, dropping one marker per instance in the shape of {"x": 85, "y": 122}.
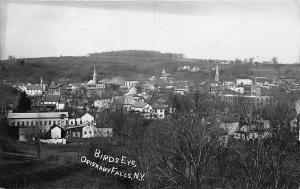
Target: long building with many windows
{"x": 28, "y": 123}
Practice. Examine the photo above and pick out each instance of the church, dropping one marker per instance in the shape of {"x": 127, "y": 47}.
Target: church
{"x": 93, "y": 86}
{"x": 165, "y": 76}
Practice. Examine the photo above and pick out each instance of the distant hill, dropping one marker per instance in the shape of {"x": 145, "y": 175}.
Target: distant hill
{"x": 129, "y": 64}
{"x": 126, "y": 64}
{"x": 139, "y": 53}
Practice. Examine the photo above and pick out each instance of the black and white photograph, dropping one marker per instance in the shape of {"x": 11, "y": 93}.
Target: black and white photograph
{"x": 150, "y": 94}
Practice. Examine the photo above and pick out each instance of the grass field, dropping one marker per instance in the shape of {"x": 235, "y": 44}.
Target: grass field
{"x": 59, "y": 167}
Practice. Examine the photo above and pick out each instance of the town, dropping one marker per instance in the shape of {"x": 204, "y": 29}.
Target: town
{"x": 75, "y": 110}
{"x": 114, "y": 110}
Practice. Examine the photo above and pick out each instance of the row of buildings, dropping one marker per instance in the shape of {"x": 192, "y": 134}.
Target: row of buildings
{"x": 55, "y": 125}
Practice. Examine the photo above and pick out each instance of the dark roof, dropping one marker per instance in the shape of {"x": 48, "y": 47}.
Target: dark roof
{"x": 55, "y": 126}
{"x": 51, "y": 98}
{"x": 139, "y": 104}
{"x": 159, "y": 106}
{"x": 33, "y": 87}
{"x": 80, "y": 114}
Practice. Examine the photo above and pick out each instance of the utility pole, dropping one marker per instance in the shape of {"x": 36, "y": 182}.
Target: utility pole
{"x": 38, "y": 134}
{"x": 38, "y": 125}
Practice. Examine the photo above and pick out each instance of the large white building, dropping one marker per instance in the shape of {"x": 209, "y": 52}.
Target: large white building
{"x": 29, "y": 122}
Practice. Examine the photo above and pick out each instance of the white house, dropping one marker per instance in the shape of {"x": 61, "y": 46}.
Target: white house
{"x": 159, "y": 111}
{"x": 141, "y": 107}
{"x": 55, "y": 131}
{"x": 244, "y": 82}
{"x": 89, "y": 131}
{"x": 78, "y": 119}
{"x": 103, "y": 103}
{"x": 33, "y": 90}
{"x": 132, "y": 91}
{"x": 131, "y": 83}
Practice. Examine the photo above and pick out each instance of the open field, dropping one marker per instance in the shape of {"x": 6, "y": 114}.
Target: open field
{"x": 59, "y": 167}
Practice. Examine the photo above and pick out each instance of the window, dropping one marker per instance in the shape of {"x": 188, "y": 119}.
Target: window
{"x": 92, "y": 121}
{"x": 80, "y": 122}
{"x": 13, "y": 123}
{"x": 36, "y": 123}
{"x": 54, "y": 123}
{"x": 41, "y": 123}
{"x": 22, "y": 123}
{"x": 58, "y": 122}
{"x": 71, "y": 122}
{"x": 27, "y": 123}
{"x": 45, "y": 123}
{"x": 32, "y": 123}
{"x": 85, "y": 132}
{"x": 90, "y": 132}
{"x": 49, "y": 122}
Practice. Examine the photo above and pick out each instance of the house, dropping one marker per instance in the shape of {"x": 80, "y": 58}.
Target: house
{"x": 215, "y": 88}
{"x": 148, "y": 86}
{"x": 131, "y": 83}
{"x": 55, "y": 131}
{"x": 230, "y": 128}
{"x": 86, "y": 130}
{"x": 33, "y": 90}
{"x": 81, "y": 118}
{"x": 74, "y": 131}
{"x": 132, "y": 91}
{"x": 159, "y": 110}
{"x": 54, "y": 100}
{"x": 138, "y": 98}
{"x": 89, "y": 131}
{"x": 141, "y": 107}
{"x": 102, "y": 104}
{"x": 124, "y": 102}
{"x": 244, "y": 82}
{"x": 54, "y": 89}
{"x": 27, "y": 123}
{"x": 181, "y": 90}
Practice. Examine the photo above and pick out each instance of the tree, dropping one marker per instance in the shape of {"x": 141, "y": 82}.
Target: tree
{"x": 22, "y": 62}
{"x": 24, "y": 103}
{"x": 269, "y": 160}
{"x": 276, "y": 64}
{"x": 10, "y": 57}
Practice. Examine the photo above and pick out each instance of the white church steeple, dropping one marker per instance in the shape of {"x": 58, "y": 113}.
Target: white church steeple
{"x": 95, "y": 75}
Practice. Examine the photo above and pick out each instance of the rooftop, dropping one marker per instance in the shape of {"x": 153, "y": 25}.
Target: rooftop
{"x": 37, "y": 115}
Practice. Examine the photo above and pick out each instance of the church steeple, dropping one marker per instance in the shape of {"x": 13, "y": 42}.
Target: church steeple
{"x": 95, "y": 75}
{"x": 163, "y": 72}
{"x": 217, "y": 77}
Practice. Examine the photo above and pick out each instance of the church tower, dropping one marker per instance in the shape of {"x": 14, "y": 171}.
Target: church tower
{"x": 163, "y": 72}
{"x": 217, "y": 77}
{"x": 95, "y": 75}
{"x": 42, "y": 84}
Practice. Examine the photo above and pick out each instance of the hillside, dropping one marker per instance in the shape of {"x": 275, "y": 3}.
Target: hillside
{"x": 129, "y": 65}
{"x": 78, "y": 69}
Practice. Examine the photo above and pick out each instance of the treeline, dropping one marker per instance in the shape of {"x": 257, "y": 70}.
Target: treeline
{"x": 139, "y": 53}
{"x": 188, "y": 149}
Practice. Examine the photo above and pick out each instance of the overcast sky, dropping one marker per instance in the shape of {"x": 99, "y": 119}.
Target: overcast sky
{"x": 216, "y": 30}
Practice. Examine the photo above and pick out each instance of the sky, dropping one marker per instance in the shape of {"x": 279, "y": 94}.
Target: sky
{"x": 207, "y": 30}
